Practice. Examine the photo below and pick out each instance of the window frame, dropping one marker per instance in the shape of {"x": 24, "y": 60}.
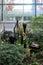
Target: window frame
{"x": 35, "y": 3}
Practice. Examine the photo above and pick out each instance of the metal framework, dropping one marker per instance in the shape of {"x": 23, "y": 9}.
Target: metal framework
{"x": 20, "y": 4}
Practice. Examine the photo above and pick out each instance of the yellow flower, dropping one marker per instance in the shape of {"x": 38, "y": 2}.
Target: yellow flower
{"x": 27, "y": 51}
{"x": 27, "y": 31}
{"x": 20, "y": 28}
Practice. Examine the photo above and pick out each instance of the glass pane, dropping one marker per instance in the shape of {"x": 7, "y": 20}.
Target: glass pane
{"x": 29, "y": 1}
{"x": 0, "y": 11}
{"x": 12, "y": 11}
{"x": 39, "y": 9}
{"x": 39, "y": 1}
{"x": 29, "y": 10}
{"x": 0, "y": 1}
{"x": 8, "y": 1}
{"x": 12, "y": 1}
{"x": 19, "y": 1}
{"x": 27, "y": 18}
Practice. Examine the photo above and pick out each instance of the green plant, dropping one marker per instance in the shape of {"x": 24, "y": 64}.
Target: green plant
{"x": 33, "y": 55}
{"x": 11, "y": 54}
{"x": 37, "y": 27}
{"x": 37, "y": 24}
{"x": 35, "y": 63}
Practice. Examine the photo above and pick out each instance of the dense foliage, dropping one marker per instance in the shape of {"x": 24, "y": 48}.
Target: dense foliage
{"x": 37, "y": 24}
{"x": 11, "y": 54}
{"x": 23, "y": 51}
{"x": 35, "y": 63}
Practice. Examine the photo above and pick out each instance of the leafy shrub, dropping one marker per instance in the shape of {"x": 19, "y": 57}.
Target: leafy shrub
{"x": 33, "y": 56}
{"x": 11, "y": 54}
{"x": 35, "y": 63}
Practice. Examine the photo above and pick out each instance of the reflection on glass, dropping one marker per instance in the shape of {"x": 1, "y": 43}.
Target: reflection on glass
{"x": 12, "y": 1}
{"x": 12, "y": 11}
{"x": 0, "y": 1}
{"x": 28, "y": 1}
{"x": 39, "y": 1}
{"x": 26, "y": 18}
{"x": 19, "y": 1}
{"x": 39, "y": 9}
{"x": 0, "y": 12}
{"x": 18, "y": 11}
{"x": 8, "y": 1}
{"x": 29, "y": 10}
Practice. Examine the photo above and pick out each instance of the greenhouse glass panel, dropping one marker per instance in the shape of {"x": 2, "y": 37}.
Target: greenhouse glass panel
{"x": 18, "y": 1}
{"x": 39, "y": 1}
{"x": 29, "y": 1}
{"x": 12, "y": 1}
{"x": 29, "y": 10}
{"x": 12, "y": 11}
{"x": 0, "y": 12}
{"x": 0, "y": 1}
{"x": 39, "y": 9}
